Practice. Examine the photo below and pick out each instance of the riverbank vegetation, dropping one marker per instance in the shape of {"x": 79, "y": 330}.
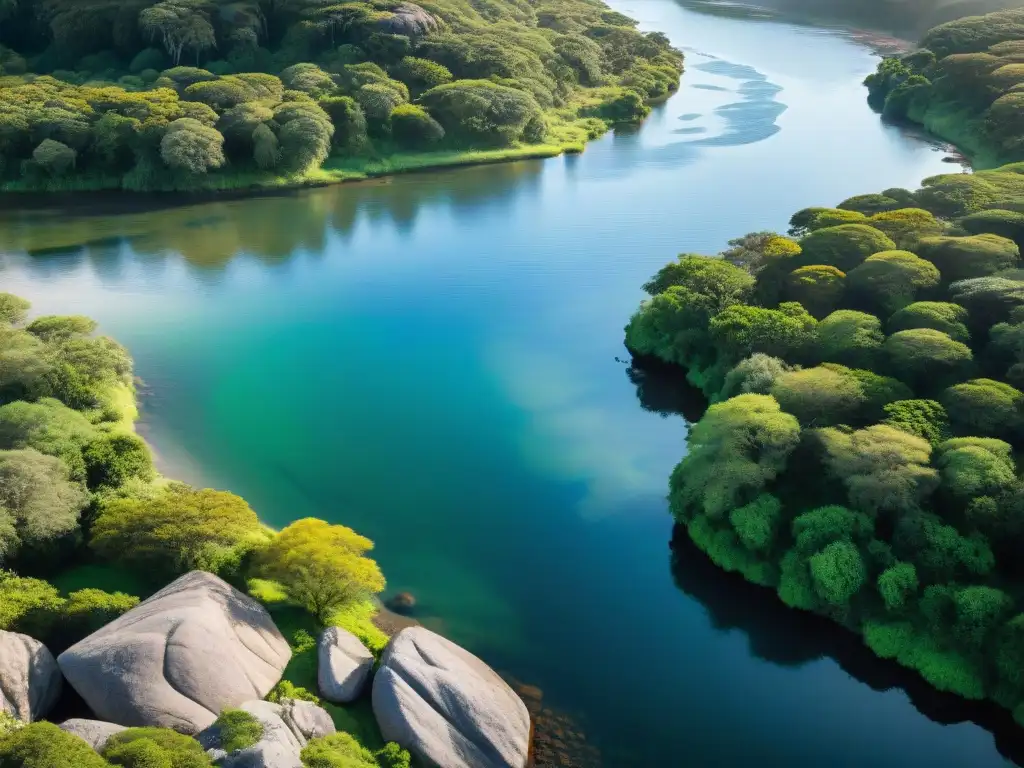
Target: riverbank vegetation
{"x": 965, "y": 83}
{"x": 860, "y": 456}
{"x": 211, "y": 94}
{"x": 88, "y": 528}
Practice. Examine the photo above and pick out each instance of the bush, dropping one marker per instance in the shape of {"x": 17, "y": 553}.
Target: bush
{"x": 926, "y": 358}
{"x": 413, "y": 127}
{"x": 818, "y": 288}
{"x": 338, "y": 750}
{"x": 114, "y": 459}
{"x": 481, "y": 112}
{"x": 907, "y": 226}
{"x": 13, "y": 309}
{"x": 850, "y": 338}
{"x": 44, "y": 745}
{"x": 924, "y": 418}
{"x": 819, "y": 397}
{"x": 838, "y": 572}
{"x": 147, "y": 747}
{"x": 38, "y": 497}
{"x": 897, "y": 585}
{"x": 757, "y": 523}
{"x": 54, "y": 158}
{"x": 941, "y": 316}
{"x": 962, "y": 258}
{"x": 238, "y": 729}
{"x": 843, "y": 247}
{"x": 890, "y": 280}
{"x": 180, "y": 529}
{"x": 984, "y": 407}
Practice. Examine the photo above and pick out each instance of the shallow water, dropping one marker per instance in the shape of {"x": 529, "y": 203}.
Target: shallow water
{"x": 435, "y": 360}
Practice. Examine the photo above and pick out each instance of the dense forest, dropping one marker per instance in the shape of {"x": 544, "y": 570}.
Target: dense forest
{"x": 965, "y": 83}
{"x": 899, "y": 17}
{"x": 860, "y": 455}
{"x": 88, "y": 527}
{"x": 186, "y": 94}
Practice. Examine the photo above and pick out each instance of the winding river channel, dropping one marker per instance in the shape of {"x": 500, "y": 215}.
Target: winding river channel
{"x": 436, "y": 361}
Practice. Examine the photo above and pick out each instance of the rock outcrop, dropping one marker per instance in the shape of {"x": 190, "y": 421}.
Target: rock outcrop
{"x": 176, "y": 660}
{"x": 343, "y": 665}
{"x": 408, "y": 19}
{"x": 446, "y": 706}
{"x": 286, "y": 729}
{"x": 30, "y": 681}
{"x": 96, "y": 732}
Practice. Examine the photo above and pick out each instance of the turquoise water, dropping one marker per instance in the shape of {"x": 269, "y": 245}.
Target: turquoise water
{"x": 435, "y": 360}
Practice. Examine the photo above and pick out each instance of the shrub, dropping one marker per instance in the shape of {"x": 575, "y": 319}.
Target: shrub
{"x": 480, "y": 111}
{"x": 924, "y": 418}
{"x": 819, "y": 397}
{"x": 926, "y": 358}
{"x": 146, "y": 747}
{"x": 897, "y": 585}
{"x": 178, "y": 530}
{"x": 983, "y": 407}
{"x": 338, "y": 750}
{"x": 114, "y": 459}
{"x": 892, "y": 279}
{"x": 13, "y": 309}
{"x": 238, "y": 729}
{"x": 818, "y": 288}
{"x": 413, "y": 127}
{"x": 38, "y": 497}
{"x": 844, "y": 246}
{"x": 54, "y": 157}
{"x": 962, "y": 258}
{"x": 907, "y": 226}
{"x": 44, "y": 745}
{"x": 850, "y": 338}
{"x": 838, "y": 572}
{"x": 940, "y": 316}
{"x": 757, "y": 523}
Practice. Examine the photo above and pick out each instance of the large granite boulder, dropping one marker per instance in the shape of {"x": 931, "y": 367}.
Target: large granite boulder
{"x": 287, "y": 727}
{"x": 96, "y": 732}
{"x": 343, "y": 665}
{"x": 30, "y": 681}
{"x": 408, "y": 19}
{"x": 176, "y": 660}
{"x": 446, "y": 706}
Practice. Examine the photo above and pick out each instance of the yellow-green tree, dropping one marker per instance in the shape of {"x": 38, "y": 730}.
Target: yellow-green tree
{"x": 322, "y": 566}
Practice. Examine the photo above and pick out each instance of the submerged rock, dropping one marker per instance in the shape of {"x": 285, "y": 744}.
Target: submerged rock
{"x": 30, "y": 681}
{"x": 343, "y": 665}
{"x": 403, "y": 602}
{"x": 446, "y": 706}
{"x": 176, "y": 660}
{"x": 96, "y": 732}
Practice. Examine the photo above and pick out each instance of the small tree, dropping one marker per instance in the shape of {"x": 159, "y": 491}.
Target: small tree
{"x": 192, "y": 147}
{"x": 265, "y": 149}
{"x": 13, "y": 309}
{"x": 412, "y": 126}
{"x": 892, "y": 279}
{"x": 321, "y": 566}
{"x": 54, "y": 158}
{"x": 818, "y": 288}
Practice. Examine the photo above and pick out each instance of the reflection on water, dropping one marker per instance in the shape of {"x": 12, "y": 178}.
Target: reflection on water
{"x": 793, "y": 638}
{"x": 271, "y": 229}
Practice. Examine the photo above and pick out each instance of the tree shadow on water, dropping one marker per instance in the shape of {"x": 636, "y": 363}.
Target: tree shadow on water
{"x": 791, "y": 638}
{"x": 663, "y": 389}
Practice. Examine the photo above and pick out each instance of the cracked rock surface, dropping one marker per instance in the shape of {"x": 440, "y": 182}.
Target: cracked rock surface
{"x": 178, "y": 659}
{"x": 446, "y": 706}
{"x": 30, "y": 681}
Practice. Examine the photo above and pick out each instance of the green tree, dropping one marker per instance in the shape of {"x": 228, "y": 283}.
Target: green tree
{"x": 13, "y": 309}
{"x": 180, "y": 529}
{"x": 850, "y": 338}
{"x": 984, "y": 407}
{"x": 817, "y": 528}
{"x": 49, "y": 427}
{"x": 926, "y": 358}
{"x": 721, "y": 282}
{"x": 113, "y": 459}
{"x": 54, "y": 157}
{"x": 734, "y": 451}
{"x": 1008, "y": 224}
{"x": 941, "y": 316}
{"x": 844, "y": 246}
{"x": 890, "y": 280}
{"x": 989, "y": 300}
{"x": 818, "y": 288}
{"x": 191, "y": 147}
{"x": 838, "y": 572}
{"x": 424, "y": 74}
{"x": 321, "y": 566}
{"x": 61, "y": 328}
{"x": 36, "y": 492}
{"x": 265, "y": 147}
{"x": 753, "y": 375}
{"x": 971, "y": 468}
{"x": 924, "y": 418}
{"x": 819, "y": 397}
{"x": 962, "y": 258}
{"x": 907, "y": 226}
{"x": 412, "y": 126}
{"x": 898, "y": 584}
{"x": 349, "y": 124}
{"x": 939, "y": 551}
{"x": 980, "y": 612}
{"x": 757, "y": 523}
{"x": 179, "y": 24}
{"x": 872, "y": 203}
{"x": 480, "y": 111}
{"x": 883, "y": 469}
{"x": 44, "y": 745}
{"x": 741, "y": 330}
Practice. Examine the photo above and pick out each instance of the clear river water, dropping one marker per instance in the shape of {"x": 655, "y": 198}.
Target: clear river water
{"x": 436, "y": 361}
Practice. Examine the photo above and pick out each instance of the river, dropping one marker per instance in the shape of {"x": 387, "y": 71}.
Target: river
{"x": 435, "y": 360}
